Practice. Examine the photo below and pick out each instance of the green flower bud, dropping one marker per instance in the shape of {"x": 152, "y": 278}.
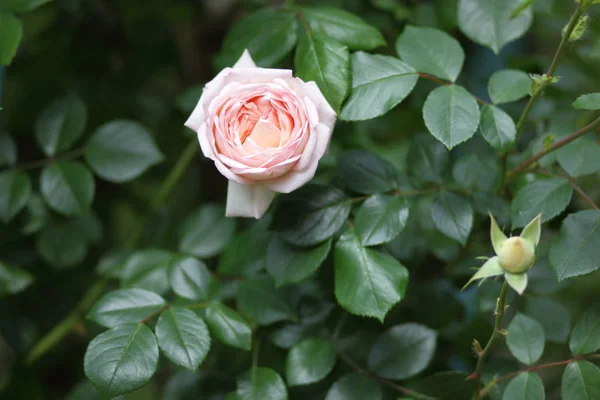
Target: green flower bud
{"x": 516, "y": 255}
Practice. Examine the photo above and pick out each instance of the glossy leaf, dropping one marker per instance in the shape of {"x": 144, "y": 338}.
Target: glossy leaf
{"x": 268, "y": 34}
{"x": 431, "y": 51}
{"x": 206, "y": 232}
{"x": 308, "y": 362}
{"x": 148, "y": 269}
{"x": 428, "y": 159}
{"x": 121, "y": 150}
{"x": 325, "y": 61}
{"x": 183, "y": 337}
{"x": 380, "y": 219}
{"x": 12, "y": 32}
{"x": 548, "y": 197}
{"x": 258, "y": 299}
{"x": 589, "y": 101}
{"x": 60, "y": 124}
{"x": 585, "y": 337}
{"x": 367, "y": 282}
{"x": 16, "y": 190}
{"x": 497, "y": 127}
{"x": 581, "y": 157}
{"x": 453, "y": 216}
{"x": 245, "y": 254}
{"x": 228, "y": 326}
{"x": 366, "y": 172}
{"x": 260, "y": 383}
{"x": 113, "y": 263}
{"x": 451, "y": 114}
{"x": 121, "y": 359}
{"x": 403, "y": 351}
{"x": 581, "y": 381}
{"x": 526, "y": 386}
{"x": 490, "y": 22}
{"x": 525, "y": 339}
{"x": 189, "y": 278}
{"x": 342, "y": 26}
{"x": 553, "y": 316}
{"x": 354, "y": 387}
{"x": 311, "y": 214}
{"x": 508, "y": 85}
{"x": 68, "y": 187}
{"x": 125, "y": 305}
{"x": 379, "y": 83}
{"x": 13, "y": 279}
{"x": 288, "y": 264}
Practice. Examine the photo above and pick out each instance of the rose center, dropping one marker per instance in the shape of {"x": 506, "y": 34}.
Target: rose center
{"x": 265, "y": 134}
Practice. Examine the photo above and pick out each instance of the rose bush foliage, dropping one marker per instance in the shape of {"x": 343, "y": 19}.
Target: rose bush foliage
{"x": 390, "y": 151}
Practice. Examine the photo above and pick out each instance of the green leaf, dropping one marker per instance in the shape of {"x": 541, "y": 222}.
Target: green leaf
{"x": 354, "y": 387}
{"x": 478, "y": 171}
{"x": 552, "y": 315}
{"x": 51, "y": 245}
{"x": 453, "y": 216}
{"x": 497, "y": 127}
{"x": 380, "y": 219}
{"x": 589, "y": 101}
{"x": 112, "y": 264}
{"x": 14, "y": 194}
{"x": 367, "y": 173}
{"x": 12, "y": 32}
{"x": 508, "y": 85}
{"x": 490, "y": 22}
{"x": 403, "y": 351}
{"x": 268, "y": 34}
{"x": 68, "y": 187}
{"x": 22, "y": 5}
{"x": 428, "y": 159}
{"x": 189, "y": 278}
{"x": 367, "y": 282}
{"x": 309, "y": 361}
{"x": 325, "y": 61}
{"x": 122, "y": 359}
{"x": 125, "y": 305}
{"x": 311, "y": 214}
{"x": 581, "y": 381}
{"x": 228, "y": 326}
{"x": 60, "y": 124}
{"x": 379, "y": 83}
{"x": 447, "y": 385}
{"x": 580, "y": 157}
{"x": 36, "y": 215}
{"x": 288, "y": 264}
{"x": 183, "y": 337}
{"x": 121, "y": 150}
{"x": 261, "y": 302}
{"x": 342, "y": 26}
{"x": 576, "y": 252}
{"x": 451, "y": 114}
{"x": 548, "y": 197}
{"x": 585, "y": 337}
{"x": 13, "y": 279}
{"x": 206, "y": 232}
{"x": 8, "y": 150}
{"x": 525, "y": 339}
{"x": 259, "y": 384}
{"x": 148, "y": 269}
{"x": 245, "y": 254}
{"x": 526, "y": 386}
{"x": 431, "y": 51}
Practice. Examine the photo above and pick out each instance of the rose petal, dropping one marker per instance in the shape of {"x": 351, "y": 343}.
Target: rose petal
{"x": 245, "y": 61}
{"x": 247, "y": 200}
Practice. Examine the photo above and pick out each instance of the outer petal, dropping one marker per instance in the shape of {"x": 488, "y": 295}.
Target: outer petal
{"x": 516, "y": 281}
{"x": 205, "y": 146}
{"x": 248, "y": 200}
{"x": 245, "y": 61}
{"x": 490, "y": 268}
{"x": 326, "y": 113}
{"x": 197, "y": 118}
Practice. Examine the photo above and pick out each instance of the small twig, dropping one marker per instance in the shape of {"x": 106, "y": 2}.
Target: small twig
{"x": 155, "y": 313}
{"x": 574, "y": 184}
{"x": 70, "y": 155}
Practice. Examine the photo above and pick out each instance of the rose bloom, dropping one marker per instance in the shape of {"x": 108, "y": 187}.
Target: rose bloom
{"x": 264, "y": 129}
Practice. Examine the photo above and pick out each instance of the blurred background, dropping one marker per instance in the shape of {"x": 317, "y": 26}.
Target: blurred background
{"x": 146, "y": 60}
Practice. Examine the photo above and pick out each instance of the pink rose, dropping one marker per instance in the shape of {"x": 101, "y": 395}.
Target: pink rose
{"x": 265, "y": 130}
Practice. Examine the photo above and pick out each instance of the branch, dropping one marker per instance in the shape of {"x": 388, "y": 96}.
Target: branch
{"x": 574, "y": 184}
{"x": 46, "y": 161}
{"x": 555, "y": 146}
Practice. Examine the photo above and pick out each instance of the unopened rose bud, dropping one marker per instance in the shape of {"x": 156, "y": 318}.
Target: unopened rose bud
{"x": 516, "y": 255}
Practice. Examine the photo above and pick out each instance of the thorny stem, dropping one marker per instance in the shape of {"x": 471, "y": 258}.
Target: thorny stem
{"x": 500, "y": 306}
{"x": 65, "y": 326}
{"x": 574, "y": 184}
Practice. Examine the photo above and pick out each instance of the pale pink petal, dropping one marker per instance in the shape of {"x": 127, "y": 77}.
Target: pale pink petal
{"x": 230, "y": 175}
{"x": 205, "y": 146}
{"x": 293, "y": 179}
{"x": 245, "y": 61}
{"x": 326, "y": 113}
{"x": 248, "y": 200}
{"x": 197, "y": 118}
